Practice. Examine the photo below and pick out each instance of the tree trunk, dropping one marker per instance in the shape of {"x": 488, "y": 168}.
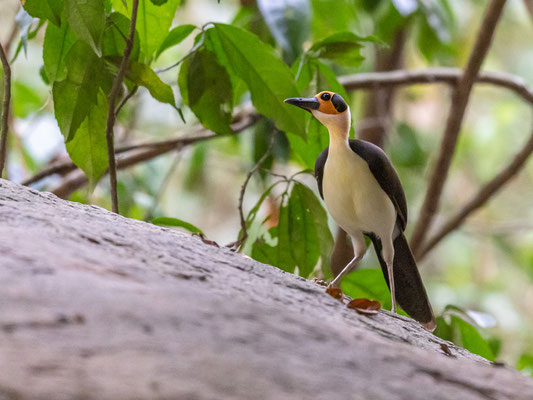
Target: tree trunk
{"x": 97, "y": 306}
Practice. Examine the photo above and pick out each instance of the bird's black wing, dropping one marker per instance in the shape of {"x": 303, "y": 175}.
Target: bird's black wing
{"x": 385, "y": 174}
{"x": 319, "y": 169}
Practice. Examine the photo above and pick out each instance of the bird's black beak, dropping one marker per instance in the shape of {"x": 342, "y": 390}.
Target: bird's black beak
{"x": 308, "y": 104}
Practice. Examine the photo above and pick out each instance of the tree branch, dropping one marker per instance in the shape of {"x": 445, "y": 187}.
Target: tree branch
{"x": 111, "y": 115}
{"x": 482, "y": 196}
{"x": 196, "y": 134}
{"x": 132, "y": 155}
{"x": 5, "y": 109}
{"x": 369, "y": 81}
{"x": 451, "y": 76}
{"x": 460, "y": 99}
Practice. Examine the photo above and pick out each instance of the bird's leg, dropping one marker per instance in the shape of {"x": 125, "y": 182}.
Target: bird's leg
{"x": 388, "y": 256}
{"x": 392, "y": 289}
{"x": 359, "y": 249}
{"x": 336, "y": 283}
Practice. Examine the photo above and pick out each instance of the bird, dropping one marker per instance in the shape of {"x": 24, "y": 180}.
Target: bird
{"x": 364, "y": 195}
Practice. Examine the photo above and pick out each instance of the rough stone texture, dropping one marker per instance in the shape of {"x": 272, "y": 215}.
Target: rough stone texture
{"x": 96, "y": 306}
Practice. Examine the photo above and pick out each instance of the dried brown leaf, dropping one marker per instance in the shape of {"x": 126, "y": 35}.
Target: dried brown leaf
{"x": 336, "y": 293}
{"x": 365, "y": 306}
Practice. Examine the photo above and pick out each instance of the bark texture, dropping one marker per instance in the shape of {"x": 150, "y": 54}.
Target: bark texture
{"x": 97, "y": 306}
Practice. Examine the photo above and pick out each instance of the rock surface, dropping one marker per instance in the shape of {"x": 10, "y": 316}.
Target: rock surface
{"x": 96, "y": 306}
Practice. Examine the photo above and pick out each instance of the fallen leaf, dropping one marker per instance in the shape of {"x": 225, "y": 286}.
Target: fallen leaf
{"x": 336, "y": 293}
{"x": 365, "y": 306}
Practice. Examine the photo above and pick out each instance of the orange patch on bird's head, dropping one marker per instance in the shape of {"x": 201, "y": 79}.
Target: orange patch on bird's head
{"x": 331, "y": 103}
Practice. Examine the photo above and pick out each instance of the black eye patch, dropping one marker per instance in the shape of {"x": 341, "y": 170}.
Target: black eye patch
{"x": 339, "y": 103}
{"x": 325, "y": 96}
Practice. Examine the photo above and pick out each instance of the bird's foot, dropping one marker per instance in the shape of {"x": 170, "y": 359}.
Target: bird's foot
{"x": 335, "y": 292}
{"x": 393, "y": 309}
{"x": 320, "y": 282}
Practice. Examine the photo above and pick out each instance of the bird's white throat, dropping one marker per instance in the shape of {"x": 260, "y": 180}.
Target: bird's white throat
{"x": 338, "y": 126}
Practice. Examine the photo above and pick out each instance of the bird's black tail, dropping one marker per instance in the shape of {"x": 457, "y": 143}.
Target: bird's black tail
{"x": 410, "y": 292}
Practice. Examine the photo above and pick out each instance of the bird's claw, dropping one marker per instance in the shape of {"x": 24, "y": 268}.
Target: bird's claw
{"x": 320, "y": 282}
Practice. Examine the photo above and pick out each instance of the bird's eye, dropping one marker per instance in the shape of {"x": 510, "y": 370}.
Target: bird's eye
{"x": 325, "y": 96}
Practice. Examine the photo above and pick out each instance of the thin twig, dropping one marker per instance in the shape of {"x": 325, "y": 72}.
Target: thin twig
{"x": 5, "y": 109}
{"x": 111, "y": 115}
{"x": 482, "y": 196}
{"x": 189, "y": 53}
{"x": 148, "y": 151}
{"x": 456, "y": 114}
{"x": 125, "y": 99}
{"x": 236, "y": 245}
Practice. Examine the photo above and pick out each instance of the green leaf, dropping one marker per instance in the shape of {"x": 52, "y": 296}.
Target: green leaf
{"x": 167, "y": 221}
{"x": 444, "y": 330}
{"x": 302, "y": 233}
{"x": 304, "y": 70}
{"x": 342, "y": 47}
{"x": 471, "y": 339}
{"x": 270, "y": 81}
{"x": 46, "y": 9}
{"x": 87, "y": 20}
{"x": 289, "y": 22}
{"x": 175, "y": 37}
{"x": 525, "y": 364}
{"x": 116, "y": 33}
{"x": 153, "y": 22}
{"x": 312, "y": 206}
{"x": 327, "y": 78}
{"x": 25, "y": 100}
{"x": 331, "y": 16}
{"x": 158, "y": 2}
{"x": 435, "y": 21}
{"x": 279, "y": 255}
{"x": 253, "y": 212}
{"x": 74, "y": 96}
{"x": 57, "y": 43}
{"x": 206, "y": 88}
{"x": 88, "y": 149}
{"x": 302, "y": 230}
{"x": 407, "y": 151}
{"x": 317, "y": 140}
{"x": 142, "y": 75}
{"x": 388, "y": 22}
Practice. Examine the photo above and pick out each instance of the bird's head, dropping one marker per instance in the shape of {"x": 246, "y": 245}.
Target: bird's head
{"x": 329, "y": 108}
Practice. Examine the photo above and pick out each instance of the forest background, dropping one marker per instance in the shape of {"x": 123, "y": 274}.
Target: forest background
{"x": 203, "y": 141}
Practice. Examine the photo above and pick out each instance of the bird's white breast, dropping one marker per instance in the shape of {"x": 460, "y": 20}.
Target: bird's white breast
{"x": 353, "y": 196}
